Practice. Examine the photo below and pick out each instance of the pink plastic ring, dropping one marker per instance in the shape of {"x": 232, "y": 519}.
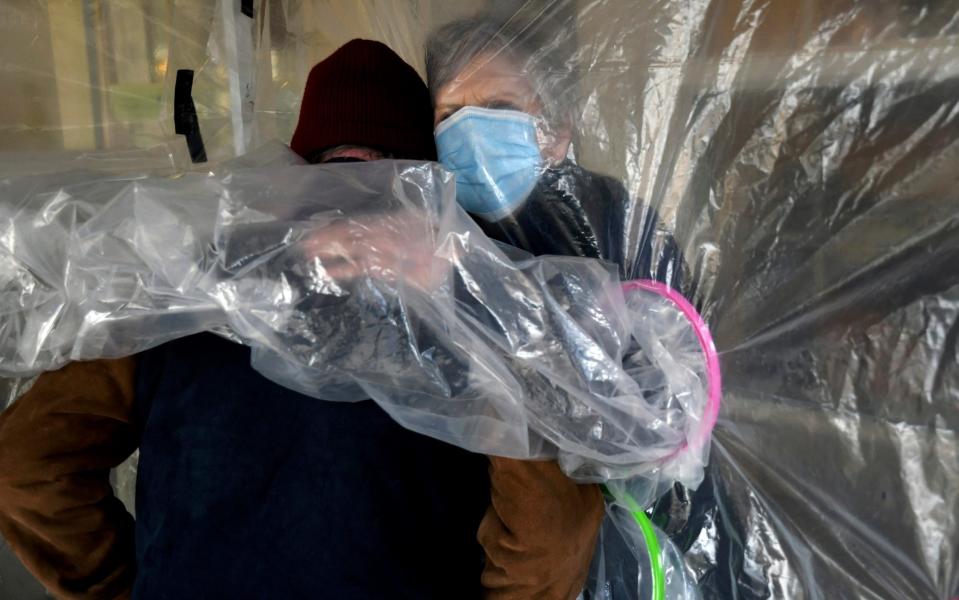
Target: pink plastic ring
{"x": 714, "y": 391}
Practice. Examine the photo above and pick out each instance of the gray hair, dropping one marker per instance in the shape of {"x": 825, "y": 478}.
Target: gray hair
{"x": 450, "y": 49}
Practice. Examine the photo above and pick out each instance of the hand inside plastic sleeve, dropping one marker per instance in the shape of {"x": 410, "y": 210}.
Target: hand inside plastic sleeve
{"x": 390, "y": 247}
{"x": 367, "y": 280}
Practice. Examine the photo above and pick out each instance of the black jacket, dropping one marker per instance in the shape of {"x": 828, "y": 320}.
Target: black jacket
{"x": 575, "y": 212}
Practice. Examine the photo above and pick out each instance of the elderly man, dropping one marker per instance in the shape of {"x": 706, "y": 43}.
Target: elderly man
{"x": 249, "y": 490}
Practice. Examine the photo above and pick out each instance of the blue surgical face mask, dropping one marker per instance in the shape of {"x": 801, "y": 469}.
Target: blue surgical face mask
{"x": 495, "y": 157}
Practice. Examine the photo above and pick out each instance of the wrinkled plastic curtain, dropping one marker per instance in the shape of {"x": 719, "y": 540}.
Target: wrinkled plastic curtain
{"x": 804, "y": 153}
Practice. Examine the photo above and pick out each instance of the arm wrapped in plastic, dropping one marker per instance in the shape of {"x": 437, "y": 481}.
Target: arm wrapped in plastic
{"x": 368, "y": 280}
{"x": 97, "y": 265}
{"x": 75, "y": 285}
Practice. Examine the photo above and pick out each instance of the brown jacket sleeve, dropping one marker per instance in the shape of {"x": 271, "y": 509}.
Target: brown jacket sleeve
{"x": 57, "y": 510}
{"x": 539, "y": 532}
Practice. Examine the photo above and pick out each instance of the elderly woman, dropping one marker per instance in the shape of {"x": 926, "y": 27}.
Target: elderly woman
{"x": 504, "y": 126}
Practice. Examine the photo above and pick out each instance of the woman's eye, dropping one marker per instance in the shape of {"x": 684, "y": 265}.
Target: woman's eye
{"x": 501, "y": 105}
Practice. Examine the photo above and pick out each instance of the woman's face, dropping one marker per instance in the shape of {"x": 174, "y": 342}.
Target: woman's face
{"x": 488, "y": 82}
{"x": 496, "y": 81}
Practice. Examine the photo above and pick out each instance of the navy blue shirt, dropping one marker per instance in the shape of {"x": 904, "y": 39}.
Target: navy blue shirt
{"x": 248, "y": 490}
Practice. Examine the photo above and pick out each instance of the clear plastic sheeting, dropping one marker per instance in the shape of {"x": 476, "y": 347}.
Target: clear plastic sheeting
{"x": 802, "y": 153}
{"x": 13, "y": 388}
{"x": 315, "y": 267}
{"x": 87, "y": 260}
{"x": 629, "y": 564}
{"x": 805, "y": 153}
{"x": 803, "y": 156}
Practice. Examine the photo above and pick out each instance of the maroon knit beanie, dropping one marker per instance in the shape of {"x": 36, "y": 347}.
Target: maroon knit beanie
{"x": 364, "y": 94}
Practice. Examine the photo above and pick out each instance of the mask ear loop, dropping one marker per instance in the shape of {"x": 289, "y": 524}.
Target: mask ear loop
{"x": 711, "y": 413}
